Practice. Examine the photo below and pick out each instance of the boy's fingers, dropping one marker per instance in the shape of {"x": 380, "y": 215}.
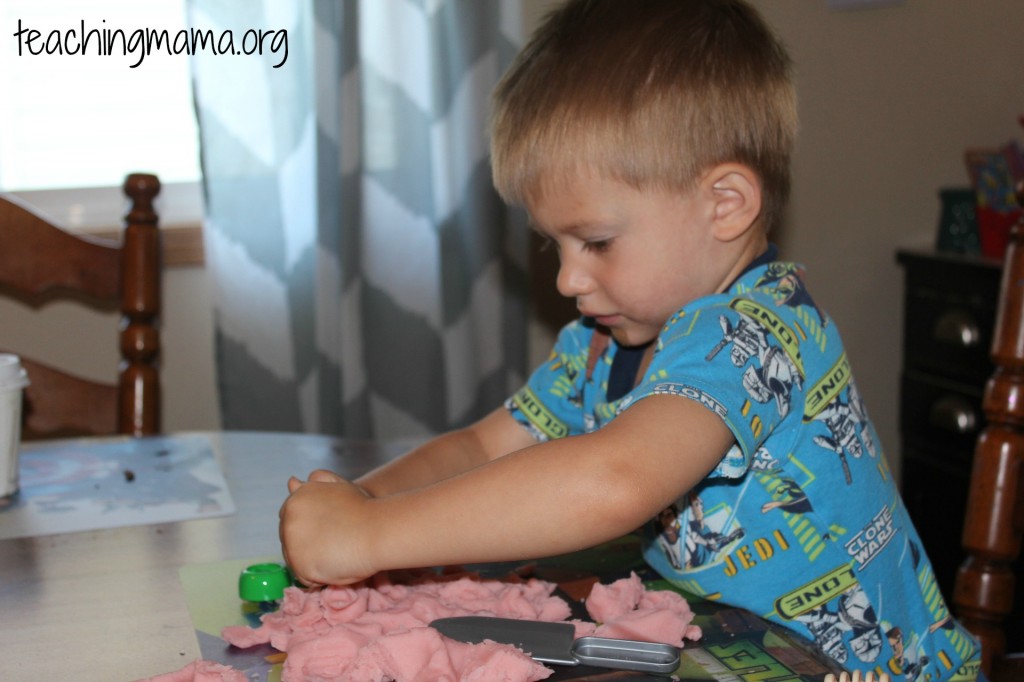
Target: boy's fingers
{"x": 324, "y": 476}
{"x": 309, "y": 584}
{"x": 320, "y": 476}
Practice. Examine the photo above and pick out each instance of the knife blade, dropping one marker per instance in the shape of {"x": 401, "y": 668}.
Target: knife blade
{"x": 556, "y": 643}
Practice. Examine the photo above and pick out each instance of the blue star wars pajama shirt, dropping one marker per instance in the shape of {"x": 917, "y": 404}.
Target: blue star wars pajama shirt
{"x": 801, "y": 521}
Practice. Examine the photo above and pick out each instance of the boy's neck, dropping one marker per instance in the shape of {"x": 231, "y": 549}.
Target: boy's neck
{"x": 750, "y": 252}
{"x": 769, "y": 255}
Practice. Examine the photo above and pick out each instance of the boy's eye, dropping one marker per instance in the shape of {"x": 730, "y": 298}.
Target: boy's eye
{"x": 597, "y": 246}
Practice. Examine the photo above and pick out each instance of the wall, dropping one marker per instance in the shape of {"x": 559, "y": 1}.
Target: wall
{"x": 889, "y": 99}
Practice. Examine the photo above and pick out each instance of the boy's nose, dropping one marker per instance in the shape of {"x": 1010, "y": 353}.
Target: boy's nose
{"x": 572, "y": 280}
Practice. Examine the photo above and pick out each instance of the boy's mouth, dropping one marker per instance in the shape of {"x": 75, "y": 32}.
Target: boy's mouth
{"x": 607, "y": 320}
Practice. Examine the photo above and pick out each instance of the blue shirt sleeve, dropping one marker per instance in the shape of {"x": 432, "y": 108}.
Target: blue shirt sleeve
{"x": 551, "y": 404}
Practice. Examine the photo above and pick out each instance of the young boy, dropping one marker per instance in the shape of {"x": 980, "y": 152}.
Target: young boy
{"x": 702, "y": 392}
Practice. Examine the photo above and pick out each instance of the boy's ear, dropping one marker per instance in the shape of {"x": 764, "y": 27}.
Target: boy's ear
{"x": 735, "y": 193}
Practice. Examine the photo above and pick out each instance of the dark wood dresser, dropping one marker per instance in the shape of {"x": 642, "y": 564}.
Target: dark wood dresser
{"x": 948, "y": 320}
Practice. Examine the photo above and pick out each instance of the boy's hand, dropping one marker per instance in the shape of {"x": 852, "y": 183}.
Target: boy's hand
{"x": 323, "y": 529}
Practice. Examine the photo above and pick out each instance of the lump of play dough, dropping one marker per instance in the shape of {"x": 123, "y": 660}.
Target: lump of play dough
{"x": 379, "y": 631}
{"x": 376, "y": 608}
{"x": 201, "y": 671}
{"x": 418, "y": 654}
{"x": 626, "y": 610}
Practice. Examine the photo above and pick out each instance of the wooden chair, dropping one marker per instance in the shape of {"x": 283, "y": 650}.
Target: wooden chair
{"x": 984, "y": 590}
{"x": 40, "y": 262}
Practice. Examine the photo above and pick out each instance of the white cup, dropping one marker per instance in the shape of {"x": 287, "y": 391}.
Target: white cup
{"x": 13, "y": 380}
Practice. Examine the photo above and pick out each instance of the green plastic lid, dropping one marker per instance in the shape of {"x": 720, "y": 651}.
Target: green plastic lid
{"x": 263, "y": 582}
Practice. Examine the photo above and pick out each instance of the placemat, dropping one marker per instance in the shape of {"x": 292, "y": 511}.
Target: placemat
{"x": 92, "y": 484}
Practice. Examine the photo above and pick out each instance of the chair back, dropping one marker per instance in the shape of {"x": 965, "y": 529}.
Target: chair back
{"x": 994, "y": 522}
{"x": 39, "y": 263}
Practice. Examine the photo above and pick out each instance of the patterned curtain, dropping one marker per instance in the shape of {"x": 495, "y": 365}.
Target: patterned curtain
{"x": 367, "y": 279}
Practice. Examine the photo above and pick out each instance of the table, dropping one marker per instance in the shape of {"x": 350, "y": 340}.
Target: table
{"x": 108, "y": 605}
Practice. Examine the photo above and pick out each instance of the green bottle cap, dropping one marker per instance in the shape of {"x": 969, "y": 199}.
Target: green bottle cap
{"x": 263, "y": 582}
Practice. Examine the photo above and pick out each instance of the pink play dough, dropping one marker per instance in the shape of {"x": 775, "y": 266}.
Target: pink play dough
{"x": 626, "y": 610}
{"x": 379, "y": 631}
{"x": 201, "y": 671}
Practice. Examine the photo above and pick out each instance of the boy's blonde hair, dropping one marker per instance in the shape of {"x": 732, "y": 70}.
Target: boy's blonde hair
{"x": 650, "y": 92}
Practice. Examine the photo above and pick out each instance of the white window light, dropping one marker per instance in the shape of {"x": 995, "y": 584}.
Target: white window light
{"x": 73, "y": 125}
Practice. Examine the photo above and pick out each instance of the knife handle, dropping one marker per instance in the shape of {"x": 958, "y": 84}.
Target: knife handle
{"x": 626, "y": 654}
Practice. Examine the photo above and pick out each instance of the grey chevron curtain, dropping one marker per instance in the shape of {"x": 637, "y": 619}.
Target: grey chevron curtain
{"x": 368, "y": 281}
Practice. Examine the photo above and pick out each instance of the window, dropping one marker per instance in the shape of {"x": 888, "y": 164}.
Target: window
{"x": 79, "y": 110}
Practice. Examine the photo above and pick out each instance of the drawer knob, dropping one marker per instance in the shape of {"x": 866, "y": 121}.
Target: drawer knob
{"x": 957, "y": 328}
{"x": 953, "y": 414}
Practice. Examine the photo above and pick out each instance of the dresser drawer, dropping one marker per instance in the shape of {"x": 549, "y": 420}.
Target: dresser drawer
{"x": 949, "y": 316}
{"x": 940, "y": 417}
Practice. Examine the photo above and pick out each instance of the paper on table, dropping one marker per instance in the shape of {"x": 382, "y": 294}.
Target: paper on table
{"x": 92, "y": 484}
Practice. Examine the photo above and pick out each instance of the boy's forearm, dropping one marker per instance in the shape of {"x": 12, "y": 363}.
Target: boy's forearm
{"x": 440, "y": 458}
{"x": 448, "y": 455}
{"x": 472, "y": 518}
{"x": 568, "y": 495}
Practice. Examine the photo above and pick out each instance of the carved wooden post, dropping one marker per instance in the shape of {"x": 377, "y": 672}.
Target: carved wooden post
{"x": 140, "y": 308}
{"x": 983, "y": 594}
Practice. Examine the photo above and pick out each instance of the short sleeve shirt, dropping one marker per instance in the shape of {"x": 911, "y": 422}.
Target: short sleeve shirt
{"x": 800, "y": 522}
